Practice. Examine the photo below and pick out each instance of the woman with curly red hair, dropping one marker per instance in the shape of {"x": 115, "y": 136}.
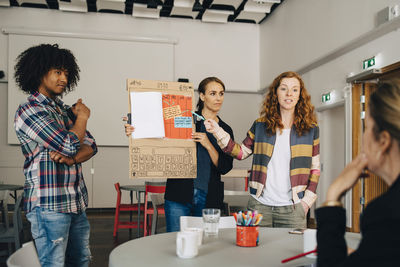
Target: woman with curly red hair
{"x": 284, "y": 142}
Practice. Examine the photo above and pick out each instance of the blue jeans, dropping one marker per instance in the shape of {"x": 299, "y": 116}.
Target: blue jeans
{"x": 60, "y": 238}
{"x": 174, "y": 210}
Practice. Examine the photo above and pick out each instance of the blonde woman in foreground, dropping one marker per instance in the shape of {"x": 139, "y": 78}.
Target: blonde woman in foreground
{"x": 380, "y": 243}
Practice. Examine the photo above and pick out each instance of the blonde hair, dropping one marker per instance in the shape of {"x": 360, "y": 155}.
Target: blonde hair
{"x": 384, "y": 105}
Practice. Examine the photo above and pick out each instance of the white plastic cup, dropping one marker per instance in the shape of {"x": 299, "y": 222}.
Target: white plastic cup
{"x": 310, "y": 242}
{"x": 187, "y": 245}
{"x": 198, "y": 231}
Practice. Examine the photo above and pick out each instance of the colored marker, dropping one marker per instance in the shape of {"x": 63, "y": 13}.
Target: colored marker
{"x": 239, "y": 218}
{"x": 198, "y": 116}
{"x": 244, "y": 219}
{"x": 255, "y": 215}
{"x": 258, "y": 220}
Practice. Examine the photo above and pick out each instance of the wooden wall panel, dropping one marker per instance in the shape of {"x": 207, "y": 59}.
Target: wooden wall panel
{"x": 356, "y": 146}
{"x": 374, "y": 185}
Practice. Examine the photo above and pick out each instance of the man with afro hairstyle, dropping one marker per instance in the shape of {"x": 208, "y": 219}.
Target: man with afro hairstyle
{"x": 54, "y": 142}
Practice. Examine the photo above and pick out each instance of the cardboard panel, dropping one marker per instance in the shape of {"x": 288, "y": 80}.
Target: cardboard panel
{"x": 173, "y": 157}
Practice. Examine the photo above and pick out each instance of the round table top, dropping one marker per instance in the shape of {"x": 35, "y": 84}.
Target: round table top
{"x": 275, "y": 245}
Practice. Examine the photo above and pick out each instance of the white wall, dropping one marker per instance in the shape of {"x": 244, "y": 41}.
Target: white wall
{"x": 333, "y": 74}
{"x": 300, "y": 32}
{"x": 332, "y": 146}
{"x": 228, "y": 51}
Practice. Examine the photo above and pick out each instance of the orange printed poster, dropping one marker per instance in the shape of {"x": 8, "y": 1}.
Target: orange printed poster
{"x": 177, "y": 116}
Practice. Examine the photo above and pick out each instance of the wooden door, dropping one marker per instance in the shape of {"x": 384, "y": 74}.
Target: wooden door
{"x": 366, "y": 189}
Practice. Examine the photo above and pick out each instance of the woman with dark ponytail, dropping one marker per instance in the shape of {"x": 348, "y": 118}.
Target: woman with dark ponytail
{"x": 187, "y": 197}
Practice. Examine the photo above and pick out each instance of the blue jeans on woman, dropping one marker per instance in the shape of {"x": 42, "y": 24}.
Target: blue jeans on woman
{"x": 61, "y": 239}
{"x": 174, "y": 210}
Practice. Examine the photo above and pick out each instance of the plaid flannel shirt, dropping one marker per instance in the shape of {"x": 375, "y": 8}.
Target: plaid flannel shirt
{"x": 40, "y": 129}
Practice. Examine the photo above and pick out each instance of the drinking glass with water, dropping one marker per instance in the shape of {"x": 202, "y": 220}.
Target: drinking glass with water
{"x": 211, "y": 221}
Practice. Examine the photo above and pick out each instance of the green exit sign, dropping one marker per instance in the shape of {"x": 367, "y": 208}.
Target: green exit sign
{"x": 368, "y": 63}
{"x": 326, "y": 97}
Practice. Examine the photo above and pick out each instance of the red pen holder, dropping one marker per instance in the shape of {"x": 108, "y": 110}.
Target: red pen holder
{"x": 247, "y": 236}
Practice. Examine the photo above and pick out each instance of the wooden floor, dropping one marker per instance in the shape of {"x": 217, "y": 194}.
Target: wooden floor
{"x": 102, "y": 241}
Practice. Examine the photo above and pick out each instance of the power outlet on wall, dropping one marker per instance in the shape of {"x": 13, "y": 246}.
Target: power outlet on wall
{"x": 394, "y": 12}
{"x": 387, "y": 14}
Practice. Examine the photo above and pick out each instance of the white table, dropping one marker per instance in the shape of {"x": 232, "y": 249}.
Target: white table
{"x": 275, "y": 245}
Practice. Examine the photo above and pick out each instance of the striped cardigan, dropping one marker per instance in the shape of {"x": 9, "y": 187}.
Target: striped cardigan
{"x": 304, "y": 162}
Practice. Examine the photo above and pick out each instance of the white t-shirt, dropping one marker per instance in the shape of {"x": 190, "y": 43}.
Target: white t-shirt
{"x": 277, "y": 190}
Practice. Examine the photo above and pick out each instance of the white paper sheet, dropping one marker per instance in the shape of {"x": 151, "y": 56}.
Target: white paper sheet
{"x": 147, "y": 115}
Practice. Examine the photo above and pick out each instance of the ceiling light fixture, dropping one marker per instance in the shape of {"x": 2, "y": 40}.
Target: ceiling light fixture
{"x": 141, "y": 11}
{"x": 73, "y": 6}
{"x": 217, "y": 16}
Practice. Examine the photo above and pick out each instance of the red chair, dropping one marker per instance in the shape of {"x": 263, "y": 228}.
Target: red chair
{"x": 124, "y": 207}
{"x": 155, "y": 208}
